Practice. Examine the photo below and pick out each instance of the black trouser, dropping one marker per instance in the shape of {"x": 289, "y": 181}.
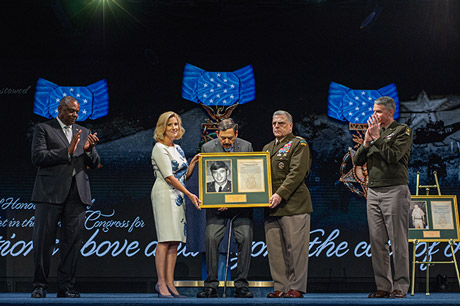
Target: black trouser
{"x": 71, "y": 214}
{"x": 215, "y": 230}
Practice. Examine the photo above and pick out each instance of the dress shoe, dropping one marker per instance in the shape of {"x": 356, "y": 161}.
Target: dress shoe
{"x": 39, "y": 292}
{"x": 68, "y": 293}
{"x": 207, "y": 292}
{"x": 398, "y": 294}
{"x": 379, "y": 294}
{"x": 275, "y": 294}
{"x": 163, "y": 296}
{"x": 243, "y": 292}
{"x": 180, "y": 296}
{"x": 293, "y": 294}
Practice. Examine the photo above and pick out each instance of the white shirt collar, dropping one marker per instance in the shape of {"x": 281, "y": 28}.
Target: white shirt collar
{"x": 62, "y": 123}
{"x": 216, "y": 186}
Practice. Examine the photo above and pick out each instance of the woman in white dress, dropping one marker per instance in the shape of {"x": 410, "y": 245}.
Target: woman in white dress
{"x": 171, "y": 171}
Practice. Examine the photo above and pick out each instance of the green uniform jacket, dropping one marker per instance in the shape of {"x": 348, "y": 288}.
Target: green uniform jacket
{"x": 291, "y": 163}
{"x": 388, "y": 157}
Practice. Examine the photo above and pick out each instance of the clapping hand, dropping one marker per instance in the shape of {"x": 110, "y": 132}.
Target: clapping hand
{"x": 373, "y": 130}
{"x": 91, "y": 142}
{"x": 74, "y": 142}
{"x": 374, "y": 127}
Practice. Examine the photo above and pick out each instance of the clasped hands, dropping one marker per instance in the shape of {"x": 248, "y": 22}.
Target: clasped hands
{"x": 373, "y": 130}
{"x": 89, "y": 144}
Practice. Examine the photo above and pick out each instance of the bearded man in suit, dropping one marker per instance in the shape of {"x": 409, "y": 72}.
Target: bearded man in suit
{"x": 62, "y": 150}
{"x": 216, "y": 221}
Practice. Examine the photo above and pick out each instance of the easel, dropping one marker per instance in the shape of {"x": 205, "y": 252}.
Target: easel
{"x": 427, "y": 187}
{"x": 416, "y": 241}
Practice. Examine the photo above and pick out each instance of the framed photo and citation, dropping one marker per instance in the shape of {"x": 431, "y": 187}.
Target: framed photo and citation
{"x": 434, "y": 218}
{"x": 240, "y": 179}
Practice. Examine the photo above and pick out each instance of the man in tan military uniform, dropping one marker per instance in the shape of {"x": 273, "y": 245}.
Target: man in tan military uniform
{"x": 287, "y": 220}
{"x": 386, "y": 149}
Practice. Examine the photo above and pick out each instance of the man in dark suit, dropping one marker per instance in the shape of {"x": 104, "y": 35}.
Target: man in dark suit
{"x": 62, "y": 150}
{"x": 220, "y": 174}
{"x": 216, "y": 221}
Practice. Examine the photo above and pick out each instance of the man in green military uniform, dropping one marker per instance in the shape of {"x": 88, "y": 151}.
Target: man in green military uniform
{"x": 386, "y": 149}
{"x": 287, "y": 220}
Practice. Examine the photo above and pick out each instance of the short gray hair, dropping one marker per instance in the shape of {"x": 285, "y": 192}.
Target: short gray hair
{"x": 388, "y": 102}
{"x": 283, "y": 113}
{"x": 227, "y": 124}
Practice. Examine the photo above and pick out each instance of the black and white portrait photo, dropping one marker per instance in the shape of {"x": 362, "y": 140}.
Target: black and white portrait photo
{"x": 219, "y": 176}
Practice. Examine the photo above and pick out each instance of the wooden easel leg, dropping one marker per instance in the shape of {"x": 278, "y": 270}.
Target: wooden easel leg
{"x": 451, "y": 243}
{"x": 413, "y": 267}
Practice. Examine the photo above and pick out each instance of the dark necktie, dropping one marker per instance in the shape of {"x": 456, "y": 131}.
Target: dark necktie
{"x": 220, "y": 188}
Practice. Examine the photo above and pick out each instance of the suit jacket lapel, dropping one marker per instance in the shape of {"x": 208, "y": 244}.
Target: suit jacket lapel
{"x": 60, "y": 132}
{"x": 227, "y": 186}
{"x": 219, "y": 147}
{"x": 237, "y": 147}
{"x": 271, "y": 148}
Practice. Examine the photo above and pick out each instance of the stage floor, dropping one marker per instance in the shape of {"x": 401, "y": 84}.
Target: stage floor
{"x": 105, "y": 299}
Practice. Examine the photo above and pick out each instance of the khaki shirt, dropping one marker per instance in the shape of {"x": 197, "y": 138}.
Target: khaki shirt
{"x": 290, "y": 165}
{"x": 388, "y": 157}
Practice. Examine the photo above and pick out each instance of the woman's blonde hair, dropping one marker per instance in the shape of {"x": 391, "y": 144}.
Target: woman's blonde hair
{"x": 159, "y": 133}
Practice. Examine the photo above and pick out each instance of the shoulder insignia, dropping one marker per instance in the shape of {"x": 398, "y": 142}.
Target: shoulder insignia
{"x": 301, "y": 141}
{"x": 407, "y": 132}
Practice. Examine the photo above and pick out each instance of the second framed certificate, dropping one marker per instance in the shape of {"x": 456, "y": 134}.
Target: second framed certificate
{"x": 235, "y": 179}
{"x": 434, "y": 218}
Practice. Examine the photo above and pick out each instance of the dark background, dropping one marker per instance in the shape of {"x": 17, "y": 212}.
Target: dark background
{"x": 141, "y": 46}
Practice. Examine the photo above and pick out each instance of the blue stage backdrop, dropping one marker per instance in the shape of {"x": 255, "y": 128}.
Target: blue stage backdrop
{"x": 289, "y": 51}
{"x": 120, "y": 240}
